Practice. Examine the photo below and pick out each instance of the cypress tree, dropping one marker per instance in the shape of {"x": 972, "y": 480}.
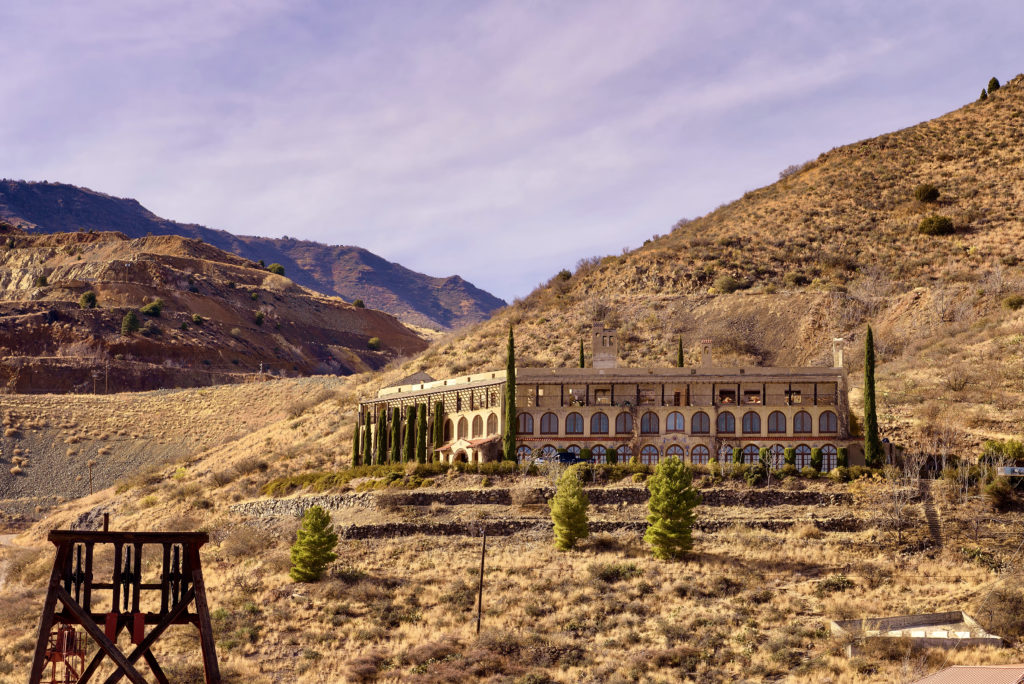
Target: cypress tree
{"x": 842, "y": 458}
{"x": 816, "y": 459}
{"x": 438, "y": 425}
{"x": 355, "y": 446}
{"x": 672, "y": 509}
{"x": 314, "y": 546}
{"x": 367, "y": 451}
{"x": 737, "y": 455}
{"x": 583, "y": 361}
{"x": 984, "y": 95}
{"x": 396, "y": 435}
{"x": 509, "y": 440}
{"x": 421, "y": 434}
{"x": 789, "y": 456}
{"x": 382, "y": 437}
{"x": 679, "y": 354}
{"x": 872, "y": 445}
{"x": 409, "y": 451}
{"x": 993, "y": 85}
{"x": 569, "y": 510}
{"x": 764, "y": 458}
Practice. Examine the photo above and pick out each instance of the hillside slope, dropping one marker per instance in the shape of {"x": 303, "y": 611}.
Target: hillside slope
{"x": 223, "y": 319}
{"x": 773, "y": 277}
{"x": 346, "y": 271}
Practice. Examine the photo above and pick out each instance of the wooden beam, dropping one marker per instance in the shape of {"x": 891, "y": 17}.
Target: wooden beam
{"x": 109, "y": 647}
{"x": 46, "y": 619}
{"x": 203, "y": 611}
{"x": 143, "y": 648}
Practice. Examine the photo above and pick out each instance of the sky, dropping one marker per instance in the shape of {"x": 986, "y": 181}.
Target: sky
{"x": 500, "y": 141}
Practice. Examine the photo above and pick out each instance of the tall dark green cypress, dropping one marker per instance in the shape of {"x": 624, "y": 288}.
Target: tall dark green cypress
{"x": 421, "y": 433}
{"x": 382, "y": 437}
{"x": 409, "y": 449}
{"x": 438, "y": 427}
{"x": 679, "y": 354}
{"x": 583, "y": 359}
{"x": 367, "y": 451}
{"x": 509, "y": 440}
{"x": 396, "y": 435}
{"x": 872, "y": 445}
{"x": 355, "y": 446}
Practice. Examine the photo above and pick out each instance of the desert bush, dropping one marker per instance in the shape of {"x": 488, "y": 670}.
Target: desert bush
{"x": 258, "y": 318}
{"x": 130, "y": 323}
{"x": 153, "y": 308}
{"x": 999, "y": 493}
{"x": 243, "y": 542}
{"x": 795, "y": 279}
{"x": 935, "y": 225}
{"x": 1002, "y": 612}
{"x": 832, "y": 584}
{"x": 727, "y": 283}
{"x": 236, "y": 332}
{"x": 613, "y": 572}
{"x": 359, "y": 303}
{"x": 1014, "y": 302}
{"x": 41, "y": 281}
{"x": 926, "y": 192}
{"x": 374, "y": 343}
{"x": 87, "y": 300}
{"x": 197, "y": 319}
{"x": 276, "y": 268}
{"x": 809, "y": 472}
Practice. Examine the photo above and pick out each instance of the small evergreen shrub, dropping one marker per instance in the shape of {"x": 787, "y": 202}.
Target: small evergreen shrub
{"x": 314, "y": 546}
{"x": 153, "y": 308}
{"x": 374, "y": 343}
{"x": 1014, "y": 302}
{"x": 842, "y": 457}
{"x": 41, "y": 281}
{"x": 993, "y": 85}
{"x": 999, "y": 493}
{"x": 984, "y": 95}
{"x": 569, "y": 510}
{"x": 789, "y": 456}
{"x": 254, "y": 296}
{"x": 672, "y": 510}
{"x": 276, "y": 268}
{"x": 258, "y": 318}
{"x": 935, "y": 225}
{"x": 816, "y": 459}
{"x": 926, "y": 192}
{"x": 359, "y": 304}
{"x": 130, "y": 323}
{"x": 197, "y": 319}
{"x": 184, "y": 325}
{"x": 87, "y": 300}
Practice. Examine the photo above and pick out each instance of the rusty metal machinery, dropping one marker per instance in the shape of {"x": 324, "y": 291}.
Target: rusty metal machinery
{"x": 73, "y": 598}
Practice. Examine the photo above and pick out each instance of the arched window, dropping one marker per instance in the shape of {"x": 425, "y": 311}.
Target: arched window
{"x": 599, "y": 453}
{"x": 802, "y": 423}
{"x": 751, "y": 423}
{"x": 726, "y": 422}
{"x": 525, "y": 424}
{"x": 675, "y": 450}
{"x": 827, "y": 422}
{"x": 778, "y": 453}
{"x": 828, "y": 458}
{"x": 751, "y": 453}
{"x": 478, "y": 426}
{"x": 699, "y": 454}
{"x": 649, "y": 454}
{"x": 725, "y": 453}
{"x": 574, "y": 424}
{"x": 447, "y": 430}
{"x": 700, "y": 424}
{"x": 649, "y": 423}
{"x": 675, "y": 422}
{"x": 599, "y": 424}
{"x": 803, "y": 456}
{"x": 523, "y": 451}
{"x": 492, "y": 424}
{"x": 548, "y": 451}
{"x": 549, "y": 424}
{"x": 776, "y": 423}
{"x": 624, "y": 453}
{"x": 574, "y": 450}
{"x": 623, "y": 424}
{"x": 463, "y": 428}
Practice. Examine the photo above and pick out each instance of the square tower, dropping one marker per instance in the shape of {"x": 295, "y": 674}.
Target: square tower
{"x": 604, "y": 347}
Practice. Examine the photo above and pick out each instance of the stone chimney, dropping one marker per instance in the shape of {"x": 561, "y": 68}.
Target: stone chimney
{"x": 604, "y": 347}
{"x": 837, "y": 352}
{"x": 705, "y": 353}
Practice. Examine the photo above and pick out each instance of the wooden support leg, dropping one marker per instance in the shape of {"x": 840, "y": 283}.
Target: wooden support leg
{"x": 111, "y": 649}
{"x": 155, "y": 667}
{"x": 203, "y": 614}
{"x": 46, "y": 619}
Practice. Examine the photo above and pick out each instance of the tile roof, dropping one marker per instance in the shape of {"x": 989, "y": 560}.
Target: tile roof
{"x": 977, "y": 674}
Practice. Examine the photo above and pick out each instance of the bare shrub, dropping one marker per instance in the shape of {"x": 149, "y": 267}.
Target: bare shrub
{"x": 244, "y": 542}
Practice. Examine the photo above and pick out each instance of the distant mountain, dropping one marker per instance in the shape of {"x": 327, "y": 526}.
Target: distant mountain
{"x": 348, "y": 272}
{"x": 222, "y": 318}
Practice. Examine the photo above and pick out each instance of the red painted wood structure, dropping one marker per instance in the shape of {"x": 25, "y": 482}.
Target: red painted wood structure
{"x": 72, "y": 599}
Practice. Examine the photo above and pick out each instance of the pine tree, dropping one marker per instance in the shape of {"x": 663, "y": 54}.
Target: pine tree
{"x": 509, "y": 441}
{"x": 984, "y": 95}
{"x": 367, "y": 451}
{"x": 872, "y": 446}
{"x": 396, "y": 435}
{"x": 569, "y": 510}
{"x": 382, "y": 437}
{"x": 409, "y": 450}
{"x": 314, "y": 546}
{"x": 679, "y": 354}
{"x": 583, "y": 360}
{"x": 355, "y": 446}
{"x": 672, "y": 509}
{"x": 421, "y": 434}
{"x": 993, "y": 85}
{"x": 130, "y": 323}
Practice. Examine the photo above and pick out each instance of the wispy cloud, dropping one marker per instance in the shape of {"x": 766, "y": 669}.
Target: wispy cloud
{"x": 501, "y": 141}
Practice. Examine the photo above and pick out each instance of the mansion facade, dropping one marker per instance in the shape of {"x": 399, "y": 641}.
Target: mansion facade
{"x": 694, "y": 413}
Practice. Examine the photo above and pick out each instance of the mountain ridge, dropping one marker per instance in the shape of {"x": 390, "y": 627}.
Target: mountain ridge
{"x": 346, "y": 271}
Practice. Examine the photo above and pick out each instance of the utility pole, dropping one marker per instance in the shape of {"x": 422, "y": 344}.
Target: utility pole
{"x": 90, "y": 463}
{"x": 480, "y": 595}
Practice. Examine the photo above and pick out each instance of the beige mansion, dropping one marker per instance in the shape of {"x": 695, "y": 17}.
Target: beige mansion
{"x": 692, "y": 413}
